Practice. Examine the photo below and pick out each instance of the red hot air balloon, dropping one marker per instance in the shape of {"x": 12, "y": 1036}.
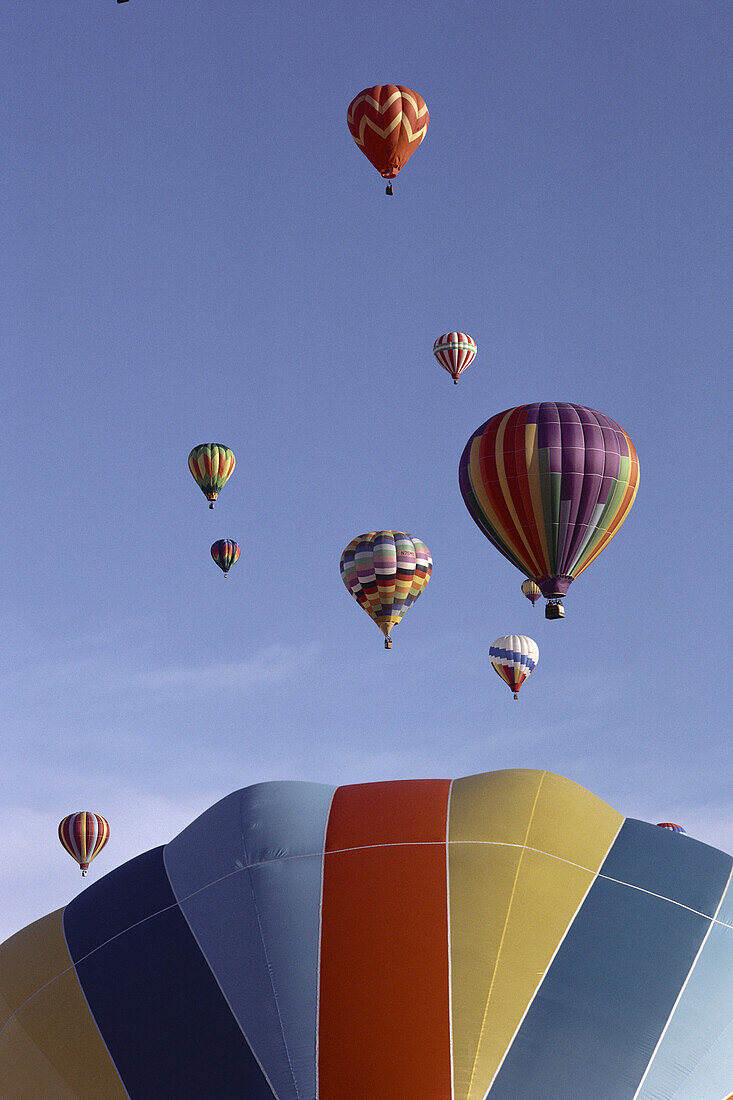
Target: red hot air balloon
{"x": 83, "y": 835}
{"x": 388, "y": 122}
{"x": 454, "y": 351}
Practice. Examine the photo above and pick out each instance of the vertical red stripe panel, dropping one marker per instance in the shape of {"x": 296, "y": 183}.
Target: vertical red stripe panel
{"x": 384, "y": 1029}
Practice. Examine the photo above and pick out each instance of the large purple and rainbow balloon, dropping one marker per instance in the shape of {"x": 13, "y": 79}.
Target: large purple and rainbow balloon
{"x": 549, "y": 484}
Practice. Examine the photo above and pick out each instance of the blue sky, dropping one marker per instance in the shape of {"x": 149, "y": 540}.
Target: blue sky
{"x": 193, "y": 249}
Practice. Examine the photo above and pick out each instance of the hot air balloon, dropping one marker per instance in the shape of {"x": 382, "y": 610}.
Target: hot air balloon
{"x": 211, "y": 465}
{"x": 671, "y": 826}
{"x": 385, "y": 572}
{"x": 225, "y": 552}
{"x": 531, "y": 591}
{"x": 454, "y": 351}
{"x": 514, "y": 656}
{"x": 498, "y": 936}
{"x": 549, "y": 484}
{"x": 388, "y": 122}
{"x": 83, "y": 835}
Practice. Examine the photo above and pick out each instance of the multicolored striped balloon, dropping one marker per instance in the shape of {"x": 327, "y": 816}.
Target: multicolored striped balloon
{"x": 671, "y": 826}
{"x": 388, "y": 122}
{"x": 514, "y": 656}
{"x": 225, "y": 552}
{"x": 549, "y": 484}
{"x": 503, "y": 936}
{"x": 211, "y": 465}
{"x": 454, "y": 351}
{"x": 531, "y": 591}
{"x": 385, "y": 572}
{"x": 83, "y": 835}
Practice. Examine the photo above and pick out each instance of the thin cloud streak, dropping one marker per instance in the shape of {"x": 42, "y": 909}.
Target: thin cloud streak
{"x": 101, "y": 676}
{"x": 276, "y": 662}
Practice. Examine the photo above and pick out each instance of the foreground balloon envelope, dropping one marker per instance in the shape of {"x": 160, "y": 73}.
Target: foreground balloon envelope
{"x": 385, "y": 572}
{"x": 549, "y": 484}
{"x": 506, "y": 935}
{"x": 388, "y": 122}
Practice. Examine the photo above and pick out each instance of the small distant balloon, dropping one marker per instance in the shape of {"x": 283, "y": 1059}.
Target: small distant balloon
{"x": 388, "y": 122}
{"x": 671, "y": 826}
{"x": 385, "y": 572}
{"x": 514, "y": 656}
{"x": 83, "y": 835}
{"x": 531, "y": 591}
{"x": 454, "y": 351}
{"x": 225, "y": 553}
{"x": 211, "y": 465}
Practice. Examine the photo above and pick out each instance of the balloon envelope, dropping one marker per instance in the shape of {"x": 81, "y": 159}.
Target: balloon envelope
{"x": 671, "y": 826}
{"x": 514, "y": 657}
{"x": 225, "y": 553}
{"x": 388, "y": 122}
{"x": 211, "y": 465}
{"x": 503, "y": 935}
{"x": 454, "y": 351}
{"x": 549, "y": 484}
{"x": 385, "y": 572}
{"x": 83, "y": 835}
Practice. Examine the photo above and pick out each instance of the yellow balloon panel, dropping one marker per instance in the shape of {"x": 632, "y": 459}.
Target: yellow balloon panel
{"x": 42, "y": 1006}
{"x": 532, "y": 842}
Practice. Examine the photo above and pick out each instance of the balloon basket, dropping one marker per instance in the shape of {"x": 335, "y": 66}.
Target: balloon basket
{"x": 387, "y": 643}
{"x": 388, "y": 189}
{"x": 554, "y": 610}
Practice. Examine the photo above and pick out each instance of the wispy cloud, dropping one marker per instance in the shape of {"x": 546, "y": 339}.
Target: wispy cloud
{"x": 270, "y": 665}
{"x": 103, "y": 674}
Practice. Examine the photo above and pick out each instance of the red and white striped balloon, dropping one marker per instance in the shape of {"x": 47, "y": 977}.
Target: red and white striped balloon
{"x": 454, "y": 351}
{"x": 83, "y": 835}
